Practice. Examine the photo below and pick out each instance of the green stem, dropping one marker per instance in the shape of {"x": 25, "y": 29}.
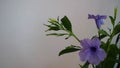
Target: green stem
{"x": 72, "y": 34}
{"x": 109, "y": 41}
{"x": 99, "y": 34}
{"x": 75, "y": 36}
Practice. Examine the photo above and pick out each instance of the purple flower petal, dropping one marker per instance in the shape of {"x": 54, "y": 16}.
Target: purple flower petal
{"x": 96, "y": 42}
{"x": 101, "y": 54}
{"x": 91, "y": 51}
{"x": 103, "y": 16}
{"x": 85, "y": 43}
{"x": 84, "y": 55}
{"x": 99, "y": 22}
{"x": 91, "y": 16}
{"x": 94, "y": 59}
{"x": 98, "y": 19}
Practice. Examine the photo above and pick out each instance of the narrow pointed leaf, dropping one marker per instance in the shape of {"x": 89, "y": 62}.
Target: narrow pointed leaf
{"x": 103, "y": 34}
{"x": 52, "y": 20}
{"x": 66, "y": 23}
{"x": 69, "y": 49}
{"x": 115, "y": 13}
{"x": 54, "y": 28}
{"x": 117, "y": 39}
{"x": 112, "y": 20}
{"x": 56, "y": 34}
{"x": 116, "y": 29}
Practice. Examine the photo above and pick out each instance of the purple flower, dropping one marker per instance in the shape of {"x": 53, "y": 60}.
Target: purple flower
{"x": 98, "y": 19}
{"x": 91, "y": 51}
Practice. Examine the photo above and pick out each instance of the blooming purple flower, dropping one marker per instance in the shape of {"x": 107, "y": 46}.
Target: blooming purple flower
{"x": 98, "y": 19}
{"x": 91, "y": 51}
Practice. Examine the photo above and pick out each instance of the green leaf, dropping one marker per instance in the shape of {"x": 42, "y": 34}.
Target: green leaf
{"x": 117, "y": 39}
{"x": 119, "y": 22}
{"x": 103, "y": 46}
{"x": 116, "y": 29}
{"x": 54, "y": 28}
{"x": 102, "y": 36}
{"x": 69, "y": 49}
{"x": 57, "y": 34}
{"x": 103, "y": 33}
{"x": 112, "y": 20}
{"x": 52, "y": 21}
{"x": 115, "y": 13}
{"x": 49, "y": 25}
{"x": 66, "y": 23}
{"x": 119, "y": 57}
{"x": 110, "y": 60}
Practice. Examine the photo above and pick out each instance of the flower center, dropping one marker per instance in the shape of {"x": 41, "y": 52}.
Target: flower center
{"x": 93, "y": 49}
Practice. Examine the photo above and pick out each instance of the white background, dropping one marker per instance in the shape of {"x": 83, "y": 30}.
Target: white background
{"x": 23, "y": 43}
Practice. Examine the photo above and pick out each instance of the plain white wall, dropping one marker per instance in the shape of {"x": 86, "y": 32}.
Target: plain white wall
{"x": 23, "y": 43}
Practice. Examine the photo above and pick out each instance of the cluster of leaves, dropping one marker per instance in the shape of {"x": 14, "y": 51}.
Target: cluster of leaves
{"x": 56, "y": 25}
{"x": 64, "y": 25}
{"x": 112, "y": 49}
